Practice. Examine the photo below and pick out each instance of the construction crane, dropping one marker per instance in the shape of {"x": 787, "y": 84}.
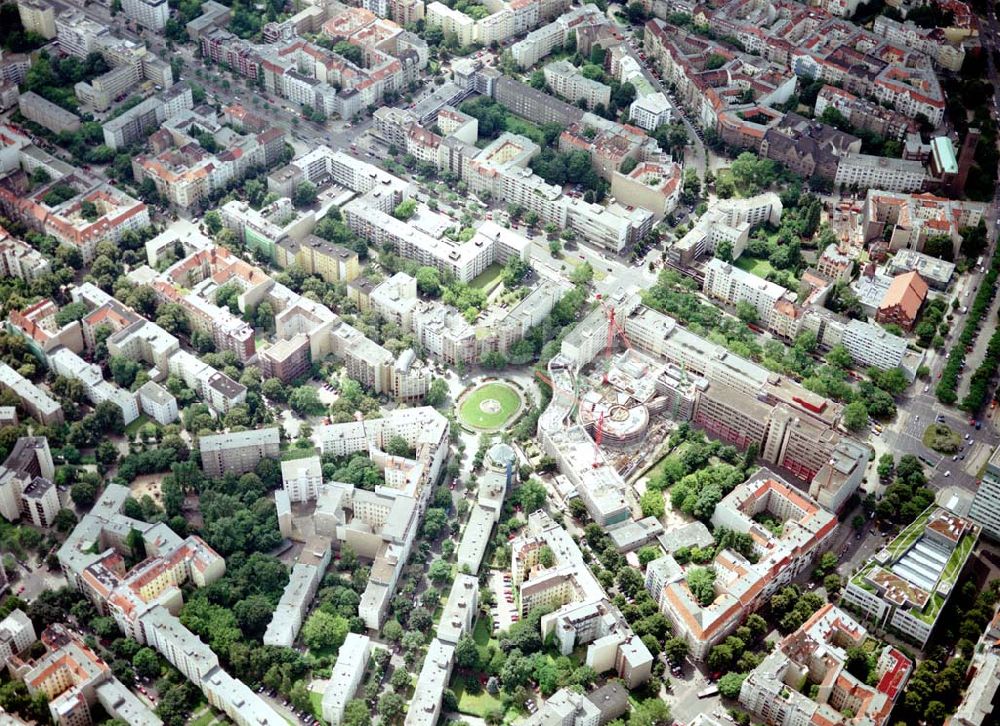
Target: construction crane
{"x": 598, "y": 437}
{"x": 614, "y": 328}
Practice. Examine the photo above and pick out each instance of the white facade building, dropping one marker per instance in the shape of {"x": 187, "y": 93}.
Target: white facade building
{"x": 352, "y": 662}
{"x": 157, "y": 403}
{"x": 651, "y": 111}
{"x": 873, "y": 345}
{"x": 985, "y": 509}
{"x": 152, "y": 14}
{"x": 302, "y": 478}
{"x": 732, "y": 285}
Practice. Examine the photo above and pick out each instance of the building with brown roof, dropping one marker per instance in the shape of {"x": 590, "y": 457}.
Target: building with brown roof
{"x": 817, "y": 652}
{"x": 903, "y": 300}
{"x": 741, "y": 585}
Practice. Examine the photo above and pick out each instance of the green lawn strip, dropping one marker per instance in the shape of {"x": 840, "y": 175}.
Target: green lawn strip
{"x": 909, "y": 535}
{"x": 296, "y": 453}
{"x": 475, "y": 704}
{"x": 754, "y": 265}
{"x": 133, "y": 428}
{"x": 488, "y": 279}
{"x": 957, "y": 559}
{"x": 316, "y": 699}
{"x": 205, "y": 717}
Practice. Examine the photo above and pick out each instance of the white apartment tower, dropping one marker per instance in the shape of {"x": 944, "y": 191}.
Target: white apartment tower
{"x": 152, "y": 14}
{"x": 985, "y": 509}
{"x": 302, "y": 478}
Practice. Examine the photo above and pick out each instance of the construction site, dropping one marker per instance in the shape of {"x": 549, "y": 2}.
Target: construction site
{"x": 609, "y": 415}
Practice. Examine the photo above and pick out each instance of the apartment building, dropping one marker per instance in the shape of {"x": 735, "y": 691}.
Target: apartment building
{"x": 287, "y": 360}
{"x": 985, "y": 510}
{"x": 979, "y": 701}
{"x": 185, "y": 173}
{"x": 348, "y": 672}
{"x": 502, "y": 170}
{"x": 262, "y": 230}
{"x": 732, "y": 286}
{"x": 213, "y": 15}
{"x": 581, "y": 614}
{"x": 226, "y": 49}
{"x": 157, "y": 403}
{"x": 317, "y": 256}
{"x": 728, "y": 220}
{"x": 864, "y": 171}
{"x": 651, "y": 111}
{"x": 460, "y": 610}
{"x": 135, "y": 124}
{"x": 148, "y": 342}
{"x": 507, "y": 19}
{"x": 609, "y": 144}
{"x": 819, "y": 649}
{"x": 310, "y": 74}
{"x": 382, "y": 525}
{"x": 864, "y": 115}
{"x": 566, "y": 80}
{"x": 741, "y": 586}
{"x": 194, "y": 282}
{"x": 45, "y": 113}
{"x": 299, "y": 593}
{"x": 117, "y": 212}
{"x": 841, "y": 476}
{"x": 74, "y": 679}
{"x": 540, "y": 42}
{"x": 905, "y": 586}
{"x": 237, "y": 451}
{"x": 64, "y": 362}
{"x": 138, "y": 599}
{"x": 835, "y": 265}
{"x": 302, "y": 478}
{"x": 151, "y": 14}
{"x": 464, "y": 261}
{"x": 77, "y": 34}
{"x": 425, "y": 706}
{"x": 19, "y": 259}
{"x": 34, "y": 401}
{"x": 38, "y": 16}
{"x": 26, "y": 488}
{"x": 873, "y": 345}
{"x": 652, "y": 185}
{"x": 912, "y": 218}
{"x": 17, "y": 633}
{"x": 395, "y": 299}
{"x": 932, "y": 42}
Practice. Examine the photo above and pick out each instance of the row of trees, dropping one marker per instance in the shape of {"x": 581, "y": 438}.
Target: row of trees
{"x": 947, "y": 387}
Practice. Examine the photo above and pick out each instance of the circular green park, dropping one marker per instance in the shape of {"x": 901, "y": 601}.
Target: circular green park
{"x": 489, "y": 406}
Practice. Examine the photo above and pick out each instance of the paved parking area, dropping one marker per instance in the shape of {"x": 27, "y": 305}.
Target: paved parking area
{"x": 502, "y": 590}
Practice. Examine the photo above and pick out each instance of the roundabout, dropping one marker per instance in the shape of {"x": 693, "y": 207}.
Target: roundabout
{"x": 489, "y": 406}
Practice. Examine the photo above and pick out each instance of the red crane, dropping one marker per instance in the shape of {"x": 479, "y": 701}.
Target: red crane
{"x": 614, "y": 328}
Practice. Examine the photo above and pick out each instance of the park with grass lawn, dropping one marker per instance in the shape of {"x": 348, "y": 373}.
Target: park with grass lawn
{"x": 489, "y": 406}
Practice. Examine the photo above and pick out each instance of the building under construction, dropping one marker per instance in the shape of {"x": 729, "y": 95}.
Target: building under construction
{"x": 612, "y": 402}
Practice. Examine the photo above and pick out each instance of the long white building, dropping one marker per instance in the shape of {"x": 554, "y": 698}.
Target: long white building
{"x": 732, "y": 285}
{"x": 349, "y": 670}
